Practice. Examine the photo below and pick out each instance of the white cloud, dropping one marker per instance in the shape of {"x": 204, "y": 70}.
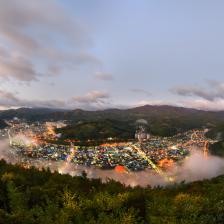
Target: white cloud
{"x": 16, "y": 66}
{"x": 212, "y": 92}
{"x": 92, "y": 100}
{"x": 154, "y": 102}
{"x": 203, "y": 104}
{"x": 104, "y": 76}
{"x": 40, "y": 34}
{"x": 141, "y": 91}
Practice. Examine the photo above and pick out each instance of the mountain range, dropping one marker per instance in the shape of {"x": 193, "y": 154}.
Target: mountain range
{"x": 147, "y": 112}
{"x": 163, "y": 120}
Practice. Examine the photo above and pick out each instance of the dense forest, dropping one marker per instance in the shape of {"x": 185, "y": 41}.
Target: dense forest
{"x": 217, "y": 148}
{"x": 3, "y": 124}
{"x": 163, "y": 120}
{"x": 99, "y": 130}
{"x": 217, "y": 133}
{"x": 32, "y": 196}
{"x": 162, "y": 116}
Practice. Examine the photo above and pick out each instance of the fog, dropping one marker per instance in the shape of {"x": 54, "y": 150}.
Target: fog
{"x": 192, "y": 168}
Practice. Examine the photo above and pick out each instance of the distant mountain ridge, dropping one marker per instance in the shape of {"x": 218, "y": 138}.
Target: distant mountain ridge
{"x": 147, "y": 111}
{"x": 163, "y": 120}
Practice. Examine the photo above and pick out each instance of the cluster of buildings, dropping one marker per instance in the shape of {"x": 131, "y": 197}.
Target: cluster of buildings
{"x": 140, "y": 154}
{"x": 104, "y": 157}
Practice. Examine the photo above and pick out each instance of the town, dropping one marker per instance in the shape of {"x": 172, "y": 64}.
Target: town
{"x": 29, "y": 140}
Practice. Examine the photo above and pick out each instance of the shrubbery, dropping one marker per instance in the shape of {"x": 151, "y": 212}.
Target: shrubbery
{"x": 32, "y": 196}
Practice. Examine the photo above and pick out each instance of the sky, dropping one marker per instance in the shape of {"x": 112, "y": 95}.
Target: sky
{"x": 97, "y": 54}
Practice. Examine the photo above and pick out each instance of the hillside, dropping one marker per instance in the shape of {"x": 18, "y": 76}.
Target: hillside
{"x": 32, "y": 114}
{"x": 217, "y": 148}
{"x": 217, "y": 133}
{"x": 163, "y": 120}
{"x": 35, "y": 197}
{"x": 99, "y": 130}
{"x": 147, "y": 112}
{"x": 2, "y": 124}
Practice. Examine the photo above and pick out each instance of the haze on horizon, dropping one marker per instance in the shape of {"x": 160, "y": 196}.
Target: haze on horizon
{"x": 102, "y": 54}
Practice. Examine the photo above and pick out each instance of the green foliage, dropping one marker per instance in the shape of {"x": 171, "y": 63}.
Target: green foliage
{"x": 99, "y": 130}
{"x": 40, "y": 197}
{"x": 163, "y": 120}
{"x": 3, "y": 124}
{"x": 217, "y": 133}
{"x": 217, "y": 148}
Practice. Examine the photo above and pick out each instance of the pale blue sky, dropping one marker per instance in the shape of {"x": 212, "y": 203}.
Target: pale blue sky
{"x": 144, "y": 51}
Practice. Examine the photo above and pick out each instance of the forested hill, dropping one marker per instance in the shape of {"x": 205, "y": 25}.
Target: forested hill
{"x": 40, "y": 197}
{"x": 217, "y": 133}
{"x": 99, "y": 130}
{"x": 2, "y": 124}
{"x": 147, "y": 112}
{"x": 163, "y": 120}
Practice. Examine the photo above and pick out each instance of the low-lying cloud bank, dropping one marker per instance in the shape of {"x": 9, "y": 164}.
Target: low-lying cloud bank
{"x": 192, "y": 168}
{"x": 91, "y": 100}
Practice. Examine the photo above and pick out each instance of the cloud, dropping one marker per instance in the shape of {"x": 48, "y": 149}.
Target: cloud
{"x": 194, "y": 91}
{"x": 214, "y": 91}
{"x": 139, "y": 90}
{"x": 10, "y": 100}
{"x": 154, "y": 102}
{"x": 202, "y": 104}
{"x": 92, "y": 100}
{"x": 98, "y": 100}
{"x": 104, "y": 76}
{"x": 16, "y": 66}
{"x": 7, "y": 96}
{"x": 208, "y": 97}
{"x": 39, "y": 34}
{"x": 93, "y": 97}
